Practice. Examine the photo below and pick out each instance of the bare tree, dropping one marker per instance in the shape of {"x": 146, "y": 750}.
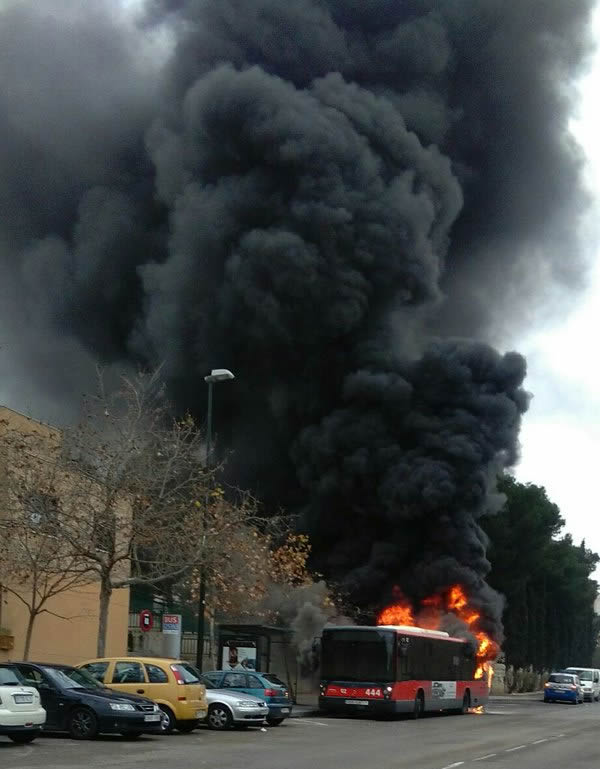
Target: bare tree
{"x": 140, "y": 507}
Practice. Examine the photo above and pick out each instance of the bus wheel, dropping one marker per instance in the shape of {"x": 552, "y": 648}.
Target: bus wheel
{"x": 466, "y": 703}
{"x": 419, "y": 706}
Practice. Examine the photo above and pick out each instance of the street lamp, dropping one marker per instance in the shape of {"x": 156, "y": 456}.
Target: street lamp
{"x": 216, "y": 375}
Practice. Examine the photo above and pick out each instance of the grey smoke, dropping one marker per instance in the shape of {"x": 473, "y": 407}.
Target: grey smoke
{"x": 330, "y": 197}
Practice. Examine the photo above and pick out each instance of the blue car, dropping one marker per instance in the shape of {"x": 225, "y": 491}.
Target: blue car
{"x": 266, "y": 686}
{"x": 563, "y": 687}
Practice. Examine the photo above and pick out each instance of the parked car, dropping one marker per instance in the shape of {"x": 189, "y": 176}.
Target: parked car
{"x": 227, "y": 708}
{"x": 21, "y": 713}
{"x": 173, "y": 684}
{"x": 563, "y": 687}
{"x": 590, "y": 681}
{"x": 265, "y": 686}
{"x": 76, "y": 703}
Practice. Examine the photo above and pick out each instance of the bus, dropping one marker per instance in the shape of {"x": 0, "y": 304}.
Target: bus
{"x": 390, "y": 669}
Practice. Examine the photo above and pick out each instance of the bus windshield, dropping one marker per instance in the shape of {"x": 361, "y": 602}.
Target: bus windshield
{"x": 355, "y": 655}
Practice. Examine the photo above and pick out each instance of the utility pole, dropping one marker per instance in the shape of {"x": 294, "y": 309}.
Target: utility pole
{"x": 216, "y": 375}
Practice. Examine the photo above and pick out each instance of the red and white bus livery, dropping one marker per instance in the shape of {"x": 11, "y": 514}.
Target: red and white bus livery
{"x": 398, "y": 669}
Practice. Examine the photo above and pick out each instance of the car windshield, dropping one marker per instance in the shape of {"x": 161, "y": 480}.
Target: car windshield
{"x": 189, "y": 674}
{"x": 557, "y": 678}
{"x": 273, "y": 679}
{"x": 10, "y": 677}
{"x": 72, "y": 678}
{"x": 584, "y": 675}
{"x": 209, "y": 684}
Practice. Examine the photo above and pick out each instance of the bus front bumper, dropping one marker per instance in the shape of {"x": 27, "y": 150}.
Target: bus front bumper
{"x": 375, "y": 707}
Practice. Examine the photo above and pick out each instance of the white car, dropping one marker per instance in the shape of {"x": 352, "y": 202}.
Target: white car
{"x": 590, "y": 682}
{"x": 21, "y": 713}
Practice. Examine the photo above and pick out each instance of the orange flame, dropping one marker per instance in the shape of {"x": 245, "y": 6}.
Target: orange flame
{"x": 431, "y": 614}
{"x": 398, "y": 614}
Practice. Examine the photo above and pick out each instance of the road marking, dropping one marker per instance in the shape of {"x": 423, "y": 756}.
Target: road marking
{"x": 483, "y": 758}
{"x": 539, "y": 742}
{"x": 511, "y": 750}
{"x": 451, "y": 766}
{"x": 307, "y": 721}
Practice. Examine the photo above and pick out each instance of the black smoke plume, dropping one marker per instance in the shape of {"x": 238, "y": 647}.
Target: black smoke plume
{"x": 330, "y": 197}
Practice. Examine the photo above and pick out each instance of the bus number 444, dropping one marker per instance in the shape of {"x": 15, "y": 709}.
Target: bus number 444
{"x": 373, "y": 692}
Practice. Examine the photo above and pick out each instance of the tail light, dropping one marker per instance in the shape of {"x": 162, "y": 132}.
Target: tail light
{"x": 272, "y": 693}
{"x": 178, "y": 676}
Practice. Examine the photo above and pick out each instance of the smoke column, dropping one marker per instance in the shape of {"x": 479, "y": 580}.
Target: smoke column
{"x": 343, "y": 201}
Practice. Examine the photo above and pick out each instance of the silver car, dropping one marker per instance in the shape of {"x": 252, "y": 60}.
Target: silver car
{"x": 227, "y": 708}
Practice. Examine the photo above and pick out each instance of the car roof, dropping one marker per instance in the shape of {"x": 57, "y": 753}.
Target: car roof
{"x": 56, "y": 665}
{"x": 241, "y": 670}
{"x": 130, "y": 658}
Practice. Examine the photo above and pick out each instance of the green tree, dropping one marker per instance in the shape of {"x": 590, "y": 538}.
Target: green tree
{"x": 549, "y": 616}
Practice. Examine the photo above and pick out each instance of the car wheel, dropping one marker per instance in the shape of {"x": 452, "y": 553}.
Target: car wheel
{"x": 82, "y": 724}
{"x": 24, "y": 739}
{"x": 219, "y": 717}
{"x": 187, "y": 726}
{"x": 275, "y": 721}
{"x": 419, "y": 706}
{"x": 167, "y": 721}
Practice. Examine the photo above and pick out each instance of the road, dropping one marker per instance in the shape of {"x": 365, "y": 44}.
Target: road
{"x": 514, "y": 734}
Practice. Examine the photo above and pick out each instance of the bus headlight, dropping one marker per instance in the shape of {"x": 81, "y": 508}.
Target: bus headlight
{"x": 387, "y": 692}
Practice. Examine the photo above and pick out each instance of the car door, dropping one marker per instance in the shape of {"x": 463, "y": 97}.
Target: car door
{"x": 50, "y": 695}
{"x": 158, "y": 687}
{"x": 255, "y": 686}
{"x": 236, "y": 681}
{"x": 128, "y": 676}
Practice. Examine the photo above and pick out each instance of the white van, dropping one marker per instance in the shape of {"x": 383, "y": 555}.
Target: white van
{"x": 590, "y": 682}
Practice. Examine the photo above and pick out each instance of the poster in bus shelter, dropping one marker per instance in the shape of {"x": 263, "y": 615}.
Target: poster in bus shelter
{"x": 239, "y": 655}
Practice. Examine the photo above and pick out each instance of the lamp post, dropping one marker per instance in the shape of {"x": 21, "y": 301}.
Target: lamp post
{"x": 216, "y": 375}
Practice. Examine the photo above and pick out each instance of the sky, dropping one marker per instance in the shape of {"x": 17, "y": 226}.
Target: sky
{"x": 561, "y": 433}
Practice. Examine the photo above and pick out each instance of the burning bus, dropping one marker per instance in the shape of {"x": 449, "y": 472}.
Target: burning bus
{"x": 390, "y": 669}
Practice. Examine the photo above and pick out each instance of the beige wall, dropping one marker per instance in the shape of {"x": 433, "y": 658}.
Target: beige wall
{"x": 69, "y": 640}
{"x": 71, "y": 636}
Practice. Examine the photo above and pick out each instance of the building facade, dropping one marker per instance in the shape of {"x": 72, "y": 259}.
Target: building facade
{"x": 68, "y": 628}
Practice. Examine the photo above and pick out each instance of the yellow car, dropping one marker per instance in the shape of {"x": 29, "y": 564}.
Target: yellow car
{"x": 173, "y": 684}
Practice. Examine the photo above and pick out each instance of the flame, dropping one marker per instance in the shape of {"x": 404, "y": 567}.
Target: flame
{"x": 398, "y": 614}
{"x": 430, "y": 615}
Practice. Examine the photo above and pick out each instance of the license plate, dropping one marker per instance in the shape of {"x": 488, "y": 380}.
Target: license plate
{"x": 357, "y": 702}
{"x": 153, "y": 717}
{"x": 22, "y": 699}
{"x": 285, "y": 710}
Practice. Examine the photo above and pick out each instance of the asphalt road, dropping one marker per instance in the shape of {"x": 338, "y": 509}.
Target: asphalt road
{"x": 513, "y": 734}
